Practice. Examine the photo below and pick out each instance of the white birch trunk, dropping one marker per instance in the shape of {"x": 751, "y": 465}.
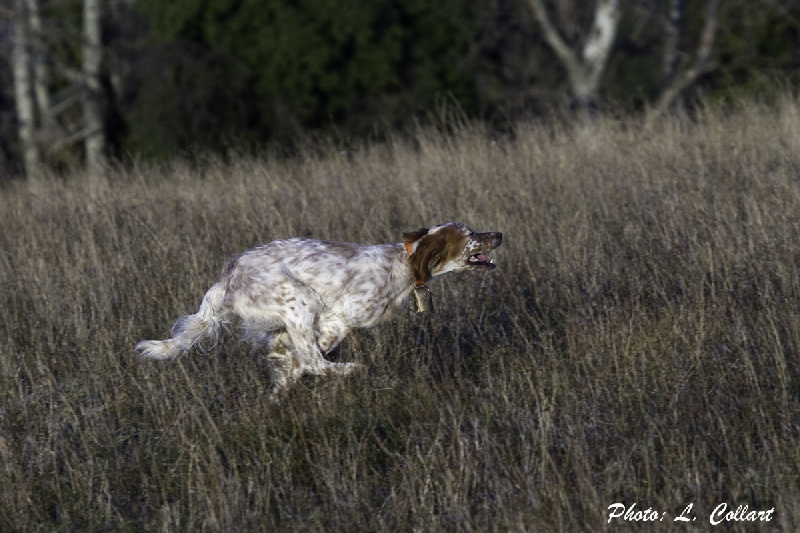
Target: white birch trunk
{"x": 23, "y": 94}
{"x": 41, "y": 76}
{"x": 584, "y": 70}
{"x": 95, "y": 142}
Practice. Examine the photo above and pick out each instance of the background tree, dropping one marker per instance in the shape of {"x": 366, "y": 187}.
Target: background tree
{"x": 757, "y": 49}
{"x": 23, "y": 90}
{"x": 38, "y": 57}
{"x": 58, "y": 108}
{"x": 269, "y": 69}
{"x": 95, "y": 138}
{"x": 678, "y": 77}
{"x": 208, "y": 74}
{"x": 584, "y": 69}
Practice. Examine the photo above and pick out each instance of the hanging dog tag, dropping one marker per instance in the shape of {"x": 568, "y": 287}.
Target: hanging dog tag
{"x": 423, "y": 300}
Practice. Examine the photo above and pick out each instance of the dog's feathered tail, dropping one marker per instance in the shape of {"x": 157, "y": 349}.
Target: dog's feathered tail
{"x": 189, "y": 330}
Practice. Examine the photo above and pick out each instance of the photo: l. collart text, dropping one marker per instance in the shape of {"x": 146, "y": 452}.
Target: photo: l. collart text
{"x": 722, "y": 513}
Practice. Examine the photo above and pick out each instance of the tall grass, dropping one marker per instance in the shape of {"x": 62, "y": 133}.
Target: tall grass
{"x": 638, "y": 342}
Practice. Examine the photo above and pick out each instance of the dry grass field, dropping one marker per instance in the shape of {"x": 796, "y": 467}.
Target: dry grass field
{"x": 637, "y": 344}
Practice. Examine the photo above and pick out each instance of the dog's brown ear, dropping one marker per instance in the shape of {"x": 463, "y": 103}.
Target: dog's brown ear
{"x": 412, "y": 236}
{"x": 430, "y": 251}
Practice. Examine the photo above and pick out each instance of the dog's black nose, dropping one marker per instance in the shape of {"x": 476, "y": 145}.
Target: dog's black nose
{"x": 499, "y": 238}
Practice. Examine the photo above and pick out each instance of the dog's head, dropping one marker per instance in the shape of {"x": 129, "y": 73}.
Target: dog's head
{"x": 450, "y": 247}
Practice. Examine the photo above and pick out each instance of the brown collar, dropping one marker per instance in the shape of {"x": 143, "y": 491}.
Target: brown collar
{"x": 417, "y": 282}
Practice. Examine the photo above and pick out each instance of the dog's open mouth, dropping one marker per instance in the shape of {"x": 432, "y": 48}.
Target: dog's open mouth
{"x": 481, "y": 261}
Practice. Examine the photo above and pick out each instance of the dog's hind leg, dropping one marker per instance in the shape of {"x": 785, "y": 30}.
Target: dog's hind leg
{"x": 290, "y": 307}
{"x": 308, "y": 357}
{"x": 281, "y": 362}
{"x": 280, "y": 370}
{"x": 301, "y": 327}
{"x": 285, "y": 368}
{"x": 330, "y": 331}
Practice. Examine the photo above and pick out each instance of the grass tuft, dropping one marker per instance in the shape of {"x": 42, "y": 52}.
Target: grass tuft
{"x": 638, "y": 342}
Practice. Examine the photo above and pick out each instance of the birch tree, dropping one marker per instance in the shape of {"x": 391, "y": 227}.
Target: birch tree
{"x": 41, "y": 75}
{"x": 585, "y": 67}
{"x": 23, "y": 92}
{"x": 680, "y": 77}
{"x": 95, "y": 142}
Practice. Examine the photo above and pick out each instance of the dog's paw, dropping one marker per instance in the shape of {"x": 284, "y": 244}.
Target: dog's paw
{"x": 343, "y": 369}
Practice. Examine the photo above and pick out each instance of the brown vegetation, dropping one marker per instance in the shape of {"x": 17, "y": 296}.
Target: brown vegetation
{"x": 638, "y": 342}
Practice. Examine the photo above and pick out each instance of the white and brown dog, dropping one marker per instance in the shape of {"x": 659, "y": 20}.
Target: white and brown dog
{"x": 298, "y": 298}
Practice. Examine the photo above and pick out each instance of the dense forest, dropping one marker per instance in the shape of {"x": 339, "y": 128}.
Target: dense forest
{"x": 90, "y": 81}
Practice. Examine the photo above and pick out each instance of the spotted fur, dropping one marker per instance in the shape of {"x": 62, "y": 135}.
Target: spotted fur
{"x": 298, "y": 298}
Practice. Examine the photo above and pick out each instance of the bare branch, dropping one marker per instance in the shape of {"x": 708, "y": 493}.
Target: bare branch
{"x": 702, "y": 63}
{"x": 61, "y": 141}
{"x": 553, "y": 38}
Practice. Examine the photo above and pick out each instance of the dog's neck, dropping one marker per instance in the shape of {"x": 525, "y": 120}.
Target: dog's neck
{"x": 409, "y": 250}
{"x": 423, "y": 302}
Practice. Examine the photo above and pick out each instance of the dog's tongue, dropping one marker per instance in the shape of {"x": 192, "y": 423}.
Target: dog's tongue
{"x": 482, "y": 258}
